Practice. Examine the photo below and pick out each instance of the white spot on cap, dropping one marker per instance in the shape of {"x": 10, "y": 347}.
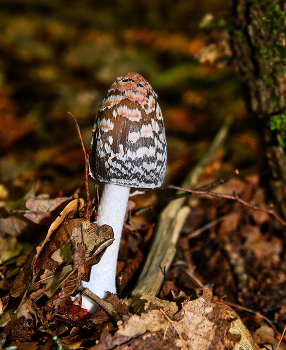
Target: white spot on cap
{"x": 151, "y": 103}
{"x": 155, "y": 126}
{"x": 107, "y": 148}
{"x": 133, "y": 136}
{"x": 135, "y": 96}
{"x": 158, "y": 144}
{"x": 110, "y": 101}
{"x": 132, "y": 114}
{"x": 145, "y": 151}
{"x": 106, "y": 125}
{"x": 146, "y": 131}
{"x": 114, "y": 113}
{"x": 161, "y": 156}
{"x": 158, "y": 113}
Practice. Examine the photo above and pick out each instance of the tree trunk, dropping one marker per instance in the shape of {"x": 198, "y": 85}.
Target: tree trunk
{"x": 258, "y": 31}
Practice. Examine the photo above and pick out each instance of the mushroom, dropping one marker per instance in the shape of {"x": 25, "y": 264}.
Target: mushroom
{"x": 128, "y": 149}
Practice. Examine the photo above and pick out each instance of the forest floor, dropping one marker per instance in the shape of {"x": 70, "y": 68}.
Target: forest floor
{"x": 62, "y": 56}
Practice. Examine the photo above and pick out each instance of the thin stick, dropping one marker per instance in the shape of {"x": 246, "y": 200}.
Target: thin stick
{"x": 240, "y": 307}
{"x": 280, "y": 340}
{"x": 182, "y": 195}
{"x": 207, "y": 226}
{"x": 234, "y": 197}
{"x": 106, "y": 306}
{"x": 86, "y": 156}
{"x": 97, "y": 202}
{"x": 218, "y": 182}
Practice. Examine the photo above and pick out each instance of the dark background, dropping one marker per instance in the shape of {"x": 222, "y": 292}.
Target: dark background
{"x": 60, "y": 56}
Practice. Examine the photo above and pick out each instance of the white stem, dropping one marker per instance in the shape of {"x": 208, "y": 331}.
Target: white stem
{"x": 111, "y": 211}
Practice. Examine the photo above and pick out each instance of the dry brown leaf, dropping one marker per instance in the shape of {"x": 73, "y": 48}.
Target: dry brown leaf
{"x": 73, "y": 206}
{"x": 12, "y": 226}
{"x": 26, "y": 326}
{"x": 200, "y": 324}
{"x": 22, "y": 280}
{"x": 41, "y": 208}
{"x": 262, "y": 246}
{"x": 72, "y": 245}
{"x": 55, "y": 267}
{"x": 230, "y": 223}
{"x": 9, "y": 248}
{"x": 266, "y": 335}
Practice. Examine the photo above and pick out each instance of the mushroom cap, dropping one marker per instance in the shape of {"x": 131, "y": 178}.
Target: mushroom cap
{"x": 128, "y": 145}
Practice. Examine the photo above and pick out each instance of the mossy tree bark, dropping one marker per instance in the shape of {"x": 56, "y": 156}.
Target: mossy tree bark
{"x": 258, "y": 34}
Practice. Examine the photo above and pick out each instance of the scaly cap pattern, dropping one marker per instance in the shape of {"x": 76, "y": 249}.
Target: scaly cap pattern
{"x": 128, "y": 145}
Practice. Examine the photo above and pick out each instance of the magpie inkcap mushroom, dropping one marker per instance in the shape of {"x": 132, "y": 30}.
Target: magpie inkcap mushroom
{"x": 128, "y": 149}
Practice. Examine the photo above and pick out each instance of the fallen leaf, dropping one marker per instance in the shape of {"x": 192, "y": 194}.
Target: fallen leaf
{"x": 199, "y": 325}
{"x": 12, "y": 226}
{"x": 41, "y": 209}
{"x": 54, "y": 270}
{"x": 9, "y": 248}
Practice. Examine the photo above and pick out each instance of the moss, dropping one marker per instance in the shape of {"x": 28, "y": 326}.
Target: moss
{"x": 258, "y": 32}
{"x": 221, "y": 23}
{"x": 273, "y": 27}
{"x": 278, "y": 123}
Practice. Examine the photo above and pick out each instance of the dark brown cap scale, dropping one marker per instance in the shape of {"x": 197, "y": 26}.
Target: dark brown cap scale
{"x": 128, "y": 144}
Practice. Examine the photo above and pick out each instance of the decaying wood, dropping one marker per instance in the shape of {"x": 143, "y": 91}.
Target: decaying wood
{"x": 170, "y": 222}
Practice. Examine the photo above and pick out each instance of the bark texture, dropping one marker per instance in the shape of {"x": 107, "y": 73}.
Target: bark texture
{"x": 258, "y": 32}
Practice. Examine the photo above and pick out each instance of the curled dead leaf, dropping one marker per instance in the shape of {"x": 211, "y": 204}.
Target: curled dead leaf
{"x": 199, "y": 325}
{"x": 41, "y": 209}
{"x": 66, "y": 255}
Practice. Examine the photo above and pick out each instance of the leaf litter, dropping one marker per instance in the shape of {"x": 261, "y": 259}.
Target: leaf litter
{"x": 42, "y": 305}
{"x": 39, "y": 307}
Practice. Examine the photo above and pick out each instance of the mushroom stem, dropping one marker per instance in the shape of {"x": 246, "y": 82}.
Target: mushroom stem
{"x": 111, "y": 211}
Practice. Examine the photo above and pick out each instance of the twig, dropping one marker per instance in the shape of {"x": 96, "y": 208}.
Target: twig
{"x": 280, "y": 340}
{"x": 86, "y": 156}
{"x": 107, "y": 307}
{"x": 234, "y": 197}
{"x": 97, "y": 202}
{"x": 205, "y": 227}
{"x": 182, "y": 195}
{"x": 252, "y": 312}
{"x": 217, "y": 182}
